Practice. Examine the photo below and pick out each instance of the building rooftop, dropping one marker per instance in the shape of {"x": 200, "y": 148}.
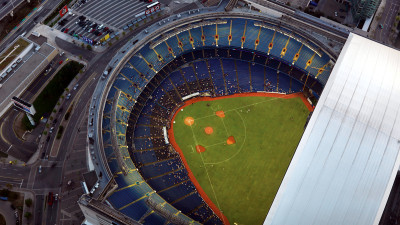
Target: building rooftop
{"x": 12, "y": 51}
{"x": 16, "y": 82}
{"x": 346, "y": 162}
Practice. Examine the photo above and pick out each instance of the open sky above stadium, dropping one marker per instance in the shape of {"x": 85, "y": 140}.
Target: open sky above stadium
{"x": 347, "y": 160}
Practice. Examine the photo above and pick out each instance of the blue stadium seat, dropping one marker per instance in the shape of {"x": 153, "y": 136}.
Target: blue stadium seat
{"x": 176, "y": 192}
{"x": 154, "y": 219}
{"x": 136, "y": 210}
{"x": 159, "y": 168}
{"x": 189, "y": 203}
{"x": 257, "y": 77}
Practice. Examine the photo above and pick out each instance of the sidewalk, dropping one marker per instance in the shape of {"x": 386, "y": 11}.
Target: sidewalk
{"x": 377, "y": 17}
{"x": 27, "y": 194}
{"x": 12, "y": 160}
{"x": 51, "y": 34}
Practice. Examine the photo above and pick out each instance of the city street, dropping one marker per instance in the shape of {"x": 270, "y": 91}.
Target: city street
{"x": 7, "y": 6}
{"x": 387, "y": 20}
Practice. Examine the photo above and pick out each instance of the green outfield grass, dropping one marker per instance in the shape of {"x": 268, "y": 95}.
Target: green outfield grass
{"x": 242, "y": 179}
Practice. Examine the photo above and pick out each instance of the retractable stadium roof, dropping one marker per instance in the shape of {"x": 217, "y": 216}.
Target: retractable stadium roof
{"x": 346, "y": 162}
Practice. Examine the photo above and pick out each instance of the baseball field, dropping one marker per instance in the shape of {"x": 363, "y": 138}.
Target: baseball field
{"x": 238, "y": 149}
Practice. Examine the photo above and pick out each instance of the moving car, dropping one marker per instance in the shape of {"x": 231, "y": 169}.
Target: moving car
{"x": 50, "y": 199}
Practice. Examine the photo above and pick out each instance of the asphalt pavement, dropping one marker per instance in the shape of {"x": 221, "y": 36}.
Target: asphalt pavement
{"x": 73, "y": 143}
{"x": 9, "y": 141}
{"x": 16, "y": 175}
{"x": 116, "y": 15}
{"x": 7, "y": 212}
{"x": 29, "y": 23}
{"x": 39, "y": 208}
{"x": 7, "y": 6}
{"x": 387, "y": 20}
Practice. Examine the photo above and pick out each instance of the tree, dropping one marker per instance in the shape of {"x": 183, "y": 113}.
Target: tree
{"x": 117, "y": 38}
{"x": 89, "y": 47}
{"x": 28, "y": 215}
{"x": 28, "y": 202}
{"x": 9, "y": 186}
{"x": 123, "y": 33}
{"x": 80, "y": 56}
{"x": 82, "y": 45}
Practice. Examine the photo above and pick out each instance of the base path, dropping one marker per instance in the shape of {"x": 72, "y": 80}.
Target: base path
{"x": 200, "y": 99}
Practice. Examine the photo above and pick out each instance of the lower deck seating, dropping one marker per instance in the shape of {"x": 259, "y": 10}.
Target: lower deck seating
{"x": 158, "y": 163}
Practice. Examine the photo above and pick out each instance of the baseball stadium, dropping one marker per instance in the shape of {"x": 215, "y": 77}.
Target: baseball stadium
{"x": 202, "y": 120}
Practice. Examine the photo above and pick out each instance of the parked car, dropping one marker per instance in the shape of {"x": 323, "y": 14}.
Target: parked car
{"x": 62, "y": 30}
{"x": 40, "y": 169}
{"x": 99, "y": 34}
{"x": 106, "y": 29}
{"x": 66, "y": 30}
{"x": 76, "y": 86}
{"x": 68, "y": 96}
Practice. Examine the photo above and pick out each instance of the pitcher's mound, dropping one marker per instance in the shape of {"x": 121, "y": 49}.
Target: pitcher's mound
{"x": 189, "y": 121}
{"x": 220, "y": 114}
{"x": 209, "y": 130}
{"x": 200, "y": 149}
{"x": 231, "y": 140}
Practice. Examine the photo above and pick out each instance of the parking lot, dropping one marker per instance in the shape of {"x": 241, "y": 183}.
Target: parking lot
{"x": 111, "y": 13}
{"x": 95, "y": 19}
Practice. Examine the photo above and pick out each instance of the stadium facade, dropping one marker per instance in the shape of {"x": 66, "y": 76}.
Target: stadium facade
{"x": 150, "y": 184}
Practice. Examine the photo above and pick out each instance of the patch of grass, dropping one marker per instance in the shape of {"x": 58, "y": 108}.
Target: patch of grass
{"x": 60, "y": 131}
{"x": 50, "y": 95}
{"x": 22, "y": 45}
{"x": 245, "y": 176}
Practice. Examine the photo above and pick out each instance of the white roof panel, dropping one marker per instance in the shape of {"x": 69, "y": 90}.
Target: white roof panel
{"x": 346, "y": 162}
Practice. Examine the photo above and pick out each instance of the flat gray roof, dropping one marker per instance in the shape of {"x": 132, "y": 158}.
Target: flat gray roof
{"x": 23, "y": 76}
{"x": 45, "y": 49}
{"x": 347, "y": 160}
